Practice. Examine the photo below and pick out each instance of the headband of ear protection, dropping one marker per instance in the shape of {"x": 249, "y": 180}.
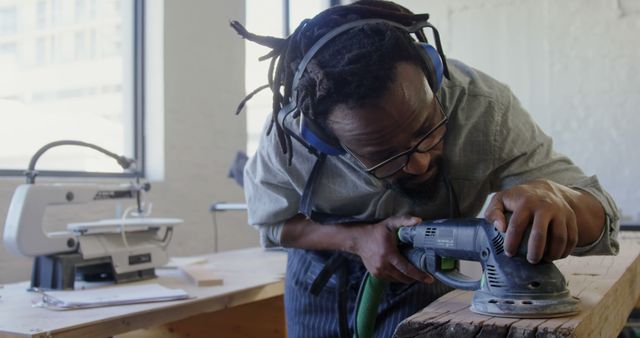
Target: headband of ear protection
{"x": 312, "y": 135}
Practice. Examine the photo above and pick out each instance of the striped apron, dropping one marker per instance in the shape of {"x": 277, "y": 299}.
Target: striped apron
{"x": 321, "y": 286}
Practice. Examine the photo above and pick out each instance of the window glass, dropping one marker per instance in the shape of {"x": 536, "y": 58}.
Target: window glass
{"x": 66, "y": 67}
{"x": 266, "y": 17}
{"x": 300, "y": 10}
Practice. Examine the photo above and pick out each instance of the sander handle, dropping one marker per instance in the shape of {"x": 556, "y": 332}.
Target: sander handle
{"x": 429, "y": 261}
{"x": 430, "y": 244}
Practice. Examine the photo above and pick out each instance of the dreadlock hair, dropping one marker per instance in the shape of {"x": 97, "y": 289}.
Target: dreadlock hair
{"x": 355, "y": 67}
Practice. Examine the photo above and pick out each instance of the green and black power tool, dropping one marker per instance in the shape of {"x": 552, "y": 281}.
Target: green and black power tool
{"x": 509, "y": 286}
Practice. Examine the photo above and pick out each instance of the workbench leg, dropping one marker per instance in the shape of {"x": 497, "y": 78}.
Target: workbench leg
{"x": 263, "y": 318}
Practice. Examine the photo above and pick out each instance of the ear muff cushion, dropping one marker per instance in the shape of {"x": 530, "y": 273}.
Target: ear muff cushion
{"x": 316, "y": 138}
{"x": 433, "y": 63}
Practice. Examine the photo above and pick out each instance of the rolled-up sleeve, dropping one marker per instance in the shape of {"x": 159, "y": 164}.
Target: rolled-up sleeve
{"x": 271, "y": 194}
{"x": 523, "y": 152}
{"x": 607, "y": 244}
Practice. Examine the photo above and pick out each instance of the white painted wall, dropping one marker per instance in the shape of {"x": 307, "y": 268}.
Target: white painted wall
{"x": 575, "y": 66}
{"x": 203, "y": 76}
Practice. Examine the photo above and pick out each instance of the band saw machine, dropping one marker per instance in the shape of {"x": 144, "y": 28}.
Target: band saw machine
{"x": 120, "y": 249}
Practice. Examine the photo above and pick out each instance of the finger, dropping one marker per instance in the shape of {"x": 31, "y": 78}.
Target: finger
{"x": 386, "y": 276}
{"x": 409, "y": 270}
{"x": 495, "y": 213}
{"x": 557, "y": 239}
{"x": 572, "y": 235}
{"x": 518, "y": 224}
{"x": 397, "y": 276}
{"x": 393, "y": 223}
{"x": 538, "y": 237}
{"x": 388, "y": 273}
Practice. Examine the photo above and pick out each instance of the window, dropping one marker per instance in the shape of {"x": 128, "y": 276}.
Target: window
{"x": 80, "y": 11}
{"x": 8, "y": 21}
{"x": 69, "y": 72}
{"x": 41, "y": 12}
{"x": 9, "y": 52}
{"x": 269, "y": 17}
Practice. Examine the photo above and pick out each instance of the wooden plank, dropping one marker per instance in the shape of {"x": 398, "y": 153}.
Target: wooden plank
{"x": 496, "y": 327}
{"x": 202, "y": 274}
{"x": 429, "y": 322}
{"x": 258, "y": 319}
{"x": 525, "y": 328}
{"x": 608, "y": 288}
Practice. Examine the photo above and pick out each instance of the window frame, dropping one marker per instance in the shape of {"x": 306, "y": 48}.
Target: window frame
{"x": 258, "y": 113}
{"x": 138, "y": 109}
{"x": 286, "y": 15}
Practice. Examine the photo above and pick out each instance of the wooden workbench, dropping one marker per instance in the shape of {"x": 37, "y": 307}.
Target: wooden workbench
{"x": 608, "y": 288}
{"x": 253, "y": 288}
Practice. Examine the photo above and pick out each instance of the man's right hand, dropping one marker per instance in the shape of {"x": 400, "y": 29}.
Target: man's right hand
{"x": 377, "y": 245}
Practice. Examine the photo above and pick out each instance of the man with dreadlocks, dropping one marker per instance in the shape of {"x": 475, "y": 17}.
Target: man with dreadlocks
{"x": 404, "y": 145}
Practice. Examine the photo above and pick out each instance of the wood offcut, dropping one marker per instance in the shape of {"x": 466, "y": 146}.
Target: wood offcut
{"x": 202, "y": 275}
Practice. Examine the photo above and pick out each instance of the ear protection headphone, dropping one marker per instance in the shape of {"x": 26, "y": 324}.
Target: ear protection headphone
{"x": 313, "y": 136}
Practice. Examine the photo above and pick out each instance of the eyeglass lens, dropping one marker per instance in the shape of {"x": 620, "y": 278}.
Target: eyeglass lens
{"x": 398, "y": 163}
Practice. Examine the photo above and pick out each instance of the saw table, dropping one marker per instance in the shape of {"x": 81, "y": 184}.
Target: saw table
{"x": 608, "y": 288}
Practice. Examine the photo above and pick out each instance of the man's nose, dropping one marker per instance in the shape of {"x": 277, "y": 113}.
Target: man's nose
{"x": 418, "y": 163}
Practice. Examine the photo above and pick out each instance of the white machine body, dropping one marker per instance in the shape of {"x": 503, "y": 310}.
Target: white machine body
{"x": 24, "y": 233}
{"x": 133, "y": 243}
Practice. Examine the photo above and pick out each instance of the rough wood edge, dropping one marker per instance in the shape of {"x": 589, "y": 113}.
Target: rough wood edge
{"x": 614, "y": 307}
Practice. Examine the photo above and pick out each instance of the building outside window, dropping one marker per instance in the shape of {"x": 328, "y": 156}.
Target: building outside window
{"x": 8, "y": 20}
{"x": 67, "y": 73}
{"x": 268, "y": 17}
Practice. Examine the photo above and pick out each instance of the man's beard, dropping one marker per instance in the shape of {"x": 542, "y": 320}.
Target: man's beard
{"x": 420, "y": 191}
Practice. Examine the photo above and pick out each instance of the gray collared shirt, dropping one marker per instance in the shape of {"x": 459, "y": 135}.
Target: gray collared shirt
{"x": 491, "y": 144}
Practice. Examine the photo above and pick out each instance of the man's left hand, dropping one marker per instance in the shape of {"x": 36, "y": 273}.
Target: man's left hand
{"x": 541, "y": 205}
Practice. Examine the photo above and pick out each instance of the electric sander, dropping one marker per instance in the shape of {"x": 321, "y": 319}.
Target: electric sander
{"x": 509, "y": 286}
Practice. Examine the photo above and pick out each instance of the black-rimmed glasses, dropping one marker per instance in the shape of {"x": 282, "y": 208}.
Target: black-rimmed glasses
{"x": 397, "y": 162}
